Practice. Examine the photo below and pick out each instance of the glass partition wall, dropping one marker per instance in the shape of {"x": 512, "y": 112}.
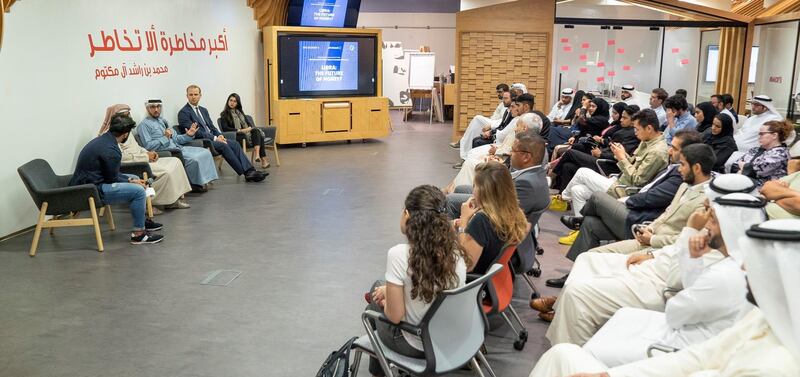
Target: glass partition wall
{"x": 775, "y": 69}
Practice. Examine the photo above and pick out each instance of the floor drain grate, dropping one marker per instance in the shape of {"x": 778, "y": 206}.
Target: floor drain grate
{"x": 221, "y": 277}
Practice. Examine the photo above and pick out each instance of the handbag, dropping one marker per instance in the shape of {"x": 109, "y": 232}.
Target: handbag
{"x": 338, "y": 362}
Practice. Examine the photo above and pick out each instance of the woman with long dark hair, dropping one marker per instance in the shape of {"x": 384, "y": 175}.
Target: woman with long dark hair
{"x": 704, "y": 114}
{"x": 233, "y": 119}
{"x": 492, "y": 218}
{"x": 720, "y": 138}
{"x": 416, "y": 272}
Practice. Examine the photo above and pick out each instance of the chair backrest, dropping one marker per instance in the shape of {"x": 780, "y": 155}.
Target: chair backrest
{"x": 178, "y": 129}
{"x": 454, "y": 327}
{"x": 138, "y": 139}
{"x": 526, "y": 250}
{"x": 37, "y": 175}
{"x": 500, "y": 287}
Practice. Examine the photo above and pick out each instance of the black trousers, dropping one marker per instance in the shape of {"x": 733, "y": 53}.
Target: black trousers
{"x": 478, "y": 141}
{"x": 569, "y": 164}
{"x": 603, "y": 220}
{"x": 256, "y": 139}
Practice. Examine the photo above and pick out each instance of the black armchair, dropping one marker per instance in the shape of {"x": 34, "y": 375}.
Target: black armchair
{"x": 53, "y": 196}
{"x": 269, "y": 137}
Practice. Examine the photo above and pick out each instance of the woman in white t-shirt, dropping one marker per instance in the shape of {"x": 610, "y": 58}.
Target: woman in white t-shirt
{"x": 417, "y": 272}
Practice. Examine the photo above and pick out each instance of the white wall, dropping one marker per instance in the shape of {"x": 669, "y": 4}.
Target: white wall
{"x": 412, "y": 31}
{"x": 52, "y": 104}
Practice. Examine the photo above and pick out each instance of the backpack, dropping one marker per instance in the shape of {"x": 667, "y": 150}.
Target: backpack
{"x": 338, "y": 362}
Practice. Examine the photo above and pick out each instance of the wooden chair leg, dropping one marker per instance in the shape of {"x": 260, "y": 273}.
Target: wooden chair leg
{"x": 277, "y": 157}
{"x": 110, "y": 218}
{"x": 102, "y": 212}
{"x": 96, "y": 224}
{"x": 38, "y": 232}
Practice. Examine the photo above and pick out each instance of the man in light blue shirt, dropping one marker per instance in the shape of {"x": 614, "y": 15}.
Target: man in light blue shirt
{"x": 678, "y": 116}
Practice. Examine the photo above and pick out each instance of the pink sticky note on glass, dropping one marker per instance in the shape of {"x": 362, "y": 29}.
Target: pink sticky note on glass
{"x": 567, "y": 48}
{"x": 601, "y": 79}
{"x": 584, "y": 70}
{"x": 620, "y": 51}
{"x": 582, "y": 57}
{"x": 601, "y": 64}
{"x": 564, "y": 40}
{"x": 584, "y": 45}
{"x": 612, "y": 42}
{"x": 676, "y": 50}
{"x": 611, "y": 73}
{"x": 684, "y": 61}
{"x": 565, "y": 68}
{"x": 626, "y": 68}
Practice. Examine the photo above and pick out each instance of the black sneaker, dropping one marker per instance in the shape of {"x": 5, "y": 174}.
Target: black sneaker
{"x": 146, "y": 238}
{"x": 152, "y": 225}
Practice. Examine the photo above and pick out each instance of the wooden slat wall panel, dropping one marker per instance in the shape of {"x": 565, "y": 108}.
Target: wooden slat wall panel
{"x": 489, "y": 58}
{"x": 734, "y": 58}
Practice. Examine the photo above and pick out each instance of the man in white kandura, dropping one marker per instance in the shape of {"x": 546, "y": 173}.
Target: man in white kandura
{"x": 764, "y": 343}
{"x": 763, "y": 111}
{"x": 712, "y": 299}
{"x": 561, "y": 108}
{"x": 480, "y": 122}
{"x": 599, "y": 284}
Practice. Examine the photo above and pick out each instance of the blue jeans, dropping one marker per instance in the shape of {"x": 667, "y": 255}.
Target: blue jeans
{"x": 132, "y": 194}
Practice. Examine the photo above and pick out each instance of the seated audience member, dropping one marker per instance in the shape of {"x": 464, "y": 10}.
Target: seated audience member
{"x": 784, "y": 194}
{"x": 99, "y": 164}
{"x": 605, "y": 218}
{"x": 720, "y": 138}
{"x": 170, "y": 181}
{"x": 497, "y": 152}
{"x": 761, "y": 343}
{"x": 527, "y": 172}
{"x": 524, "y": 104}
{"x": 626, "y": 94}
{"x": 648, "y": 159}
{"x": 480, "y": 123}
{"x": 718, "y": 101}
{"x": 233, "y": 119}
{"x": 156, "y": 135}
{"x": 696, "y": 161}
{"x": 416, "y": 272}
{"x": 558, "y": 114}
{"x": 602, "y": 283}
{"x": 685, "y": 94}
{"x": 712, "y": 298}
{"x": 196, "y": 123}
{"x": 560, "y": 133}
{"x": 657, "y": 98}
{"x": 704, "y": 114}
{"x": 767, "y": 161}
{"x": 596, "y": 119}
{"x": 586, "y": 152}
{"x": 727, "y": 103}
{"x": 678, "y": 116}
{"x": 485, "y": 131}
{"x": 490, "y": 219}
{"x": 763, "y": 111}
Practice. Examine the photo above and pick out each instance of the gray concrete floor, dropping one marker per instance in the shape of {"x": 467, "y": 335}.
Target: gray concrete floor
{"x": 309, "y": 242}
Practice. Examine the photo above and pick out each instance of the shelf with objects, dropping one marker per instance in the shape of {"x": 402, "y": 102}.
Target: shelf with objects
{"x": 324, "y": 84}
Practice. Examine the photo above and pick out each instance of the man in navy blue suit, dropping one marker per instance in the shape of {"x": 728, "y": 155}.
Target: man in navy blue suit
{"x": 196, "y": 122}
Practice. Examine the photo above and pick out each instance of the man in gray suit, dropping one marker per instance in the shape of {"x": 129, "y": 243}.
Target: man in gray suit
{"x": 530, "y": 177}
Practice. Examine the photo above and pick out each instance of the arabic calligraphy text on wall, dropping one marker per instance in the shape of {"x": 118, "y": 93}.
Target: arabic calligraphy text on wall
{"x": 158, "y": 41}
{"x": 123, "y": 71}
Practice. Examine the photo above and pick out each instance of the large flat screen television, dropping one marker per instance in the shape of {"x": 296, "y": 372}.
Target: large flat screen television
{"x": 323, "y": 13}
{"x": 712, "y": 59}
{"x": 326, "y": 65}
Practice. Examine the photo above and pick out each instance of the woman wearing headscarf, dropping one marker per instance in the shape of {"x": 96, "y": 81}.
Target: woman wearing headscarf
{"x": 597, "y": 121}
{"x": 233, "y": 119}
{"x": 704, "y": 114}
{"x": 720, "y": 138}
{"x": 560, "y": 134}
{"x": 170, "y": 181}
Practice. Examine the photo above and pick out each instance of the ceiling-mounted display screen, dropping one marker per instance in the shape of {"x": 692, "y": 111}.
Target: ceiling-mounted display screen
{"x": 323, "y": 13}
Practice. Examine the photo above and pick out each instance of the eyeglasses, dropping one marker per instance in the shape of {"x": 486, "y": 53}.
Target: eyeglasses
{"x": 766, "y": 132}
{"x": 519, "y": 151}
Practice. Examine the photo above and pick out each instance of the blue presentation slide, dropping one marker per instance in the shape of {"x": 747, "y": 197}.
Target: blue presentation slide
{"x": 328, "y": 65}
{"x": 324, "y": 13}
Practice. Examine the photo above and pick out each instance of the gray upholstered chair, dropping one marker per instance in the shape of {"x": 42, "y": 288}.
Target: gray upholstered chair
{"x": 269, "y": 139}
{"x": 53, "y": 196}
{"x": 452, "y": 333}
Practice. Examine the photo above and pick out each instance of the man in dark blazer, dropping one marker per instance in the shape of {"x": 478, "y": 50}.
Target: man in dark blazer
{"x": 608, "y": 219}
{"x": 196, "y": 122}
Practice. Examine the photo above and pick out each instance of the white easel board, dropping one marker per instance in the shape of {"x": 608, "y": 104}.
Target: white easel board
{"x": 395, "y": 75}
{"x": 421, "y": 69}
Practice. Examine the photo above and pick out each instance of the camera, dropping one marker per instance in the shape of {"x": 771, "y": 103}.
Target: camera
{"x": 588, "y": 142}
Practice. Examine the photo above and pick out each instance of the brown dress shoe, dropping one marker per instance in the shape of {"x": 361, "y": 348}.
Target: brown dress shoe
{"x": 543, "y": 304}
{"x": 547, "y": 317}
